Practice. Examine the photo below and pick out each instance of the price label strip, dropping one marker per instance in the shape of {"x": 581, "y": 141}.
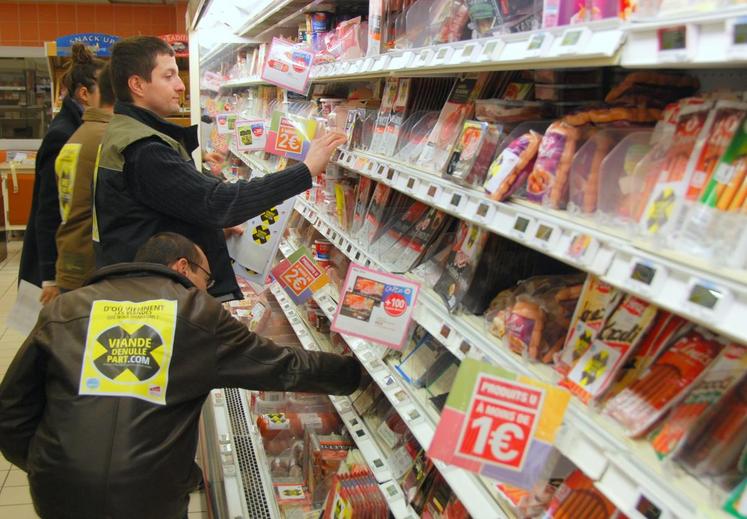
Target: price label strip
{"x": 707, "y": 300}
{"x": 677, "y": 44}
{"x": 490, "y": 51}
{"x": 442, "y": 56}
{"x": 521, "y": 225}
{"x": 736, "y": 31}
{"x": 646, "y": 277}
{"x": 538, "y": 45}
{"x": 573, "y": 41}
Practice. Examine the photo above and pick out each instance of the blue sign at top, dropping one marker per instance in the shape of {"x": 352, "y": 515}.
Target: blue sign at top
{"x": 99, "y": 44}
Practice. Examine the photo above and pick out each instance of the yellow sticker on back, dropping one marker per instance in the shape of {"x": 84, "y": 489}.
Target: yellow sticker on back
{"x": 65, "y": 167}
{"x": 128, "y": 349}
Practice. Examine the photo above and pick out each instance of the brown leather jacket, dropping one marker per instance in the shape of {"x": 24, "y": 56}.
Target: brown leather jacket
{"x": 129, "y": 452}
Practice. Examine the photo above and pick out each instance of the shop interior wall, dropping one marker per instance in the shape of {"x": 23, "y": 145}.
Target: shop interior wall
{"x": 32, "y": 23}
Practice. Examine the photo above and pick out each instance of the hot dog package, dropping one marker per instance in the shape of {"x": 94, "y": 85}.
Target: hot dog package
{"x": 586, "y": 169}
{"x": 533, "y": 318}
{"x": 639, "y": 406}
{"x": 548, "y": 181}
{"x": 512, "y": 166}
{"x": 715, "y": 447}
{"x": 721, "y": 376}
{"x": 597, "y": 300}
{"x": 578, "y": 497}
{"x": 622, "y": 331}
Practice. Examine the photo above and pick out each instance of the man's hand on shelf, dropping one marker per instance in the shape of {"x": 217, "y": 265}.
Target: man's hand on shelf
{"x": 321, "y": 151}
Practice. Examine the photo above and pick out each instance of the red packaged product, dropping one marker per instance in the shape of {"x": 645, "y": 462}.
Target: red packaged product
{"x": 639, "y": 406}
{"x": 548, "y": 182}
{"x": 578, "y": 498}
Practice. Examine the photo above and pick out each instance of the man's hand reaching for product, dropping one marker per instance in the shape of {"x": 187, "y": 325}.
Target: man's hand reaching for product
{"x": 321, "y": 151}
{"x": 213, "y": 156}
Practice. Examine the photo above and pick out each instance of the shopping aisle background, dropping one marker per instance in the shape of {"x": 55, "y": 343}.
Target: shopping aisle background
{"x": 15, "y": 501}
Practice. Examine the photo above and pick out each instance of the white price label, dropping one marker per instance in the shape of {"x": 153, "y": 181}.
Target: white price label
{"x": 573, "y": 40}
{"x": 646, "y": 277}
{"x": 706, "y": 299}
{"x": 490, "y": 51}
{"x": 521, "y": 224}
{"x": 546, "y": 235}
{"x": 736, "y": 31}
{"x": 423, "y": 58}
{"x": 676, "y": 44}
{"x": 465, "y": 54}
{"x": 442, "y": 56}
{"x": 538, "y": 44}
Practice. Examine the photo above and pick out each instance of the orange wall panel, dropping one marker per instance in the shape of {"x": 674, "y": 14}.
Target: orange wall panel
{"x": 31, "y": 23}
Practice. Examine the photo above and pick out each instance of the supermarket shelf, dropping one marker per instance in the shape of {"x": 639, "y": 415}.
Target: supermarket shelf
{"x": 360, "y": 433}
{"x": 610, "y": 255}
{"x": 272, "y": 16}
{"x": 253, "y": 162}
{"x": 244, "y": 82}
{"x": 707, "y": 41}
{"x": 589, "y": 45}
{"x": 627, "y": 471}
{"x": 467, "y": 486}
{"x": 8, "y": 88}
{"x": 237, "y": 458}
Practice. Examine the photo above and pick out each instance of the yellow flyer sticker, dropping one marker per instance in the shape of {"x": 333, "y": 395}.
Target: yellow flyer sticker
{"x": 128, "y": 349}
{"x": 65, "y": 166}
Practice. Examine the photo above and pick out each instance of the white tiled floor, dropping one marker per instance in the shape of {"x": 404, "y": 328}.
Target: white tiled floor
{"x": 15, "y": 500}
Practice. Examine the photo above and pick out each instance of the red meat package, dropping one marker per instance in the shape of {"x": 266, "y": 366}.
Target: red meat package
{"x": 663, "y": 332}
{"x": 578, "y": 498}
{"x": 443, "y": 136}
{"x": 723, "y": 374}
{"x": 620, "y": 334}
{"x": 716, "y": 447}
{"x": 639, "y": 406}
{"x": 597, "y": 300}
{"x": 548, "y": 181}
{"x": 512, "y": 166}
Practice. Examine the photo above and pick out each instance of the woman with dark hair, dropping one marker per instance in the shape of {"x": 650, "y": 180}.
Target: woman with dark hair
{"x": 39, "y": 248}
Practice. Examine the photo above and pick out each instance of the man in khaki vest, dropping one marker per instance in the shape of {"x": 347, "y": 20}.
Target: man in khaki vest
{"x": 75, "y": 168}
{"x": 147, "y": 183}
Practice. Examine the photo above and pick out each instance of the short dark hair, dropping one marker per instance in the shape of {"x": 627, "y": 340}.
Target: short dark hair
{"x": 135, "y": 56}
{"x": 105, "y": 86}
{"x": 82, "y": 69}
{"x": 167, "y": 247}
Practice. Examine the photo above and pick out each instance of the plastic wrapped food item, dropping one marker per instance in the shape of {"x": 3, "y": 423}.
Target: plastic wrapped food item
{"x": 484, "y": 15}
{"x": 578, "y": 497}
{"x": 715, "y": 447}
{"x": 413, "y": 214}
{"x": 534, "y": 318}
{"x": 664, "y": 192}
{"x": 586, "y": 169}
{"x": 548, "y": 181}
{"x": 639, "y": 406}
{"x": 505, "y": 112}
{"x": 723, "y": 374}
{"x": 619, "y": 186}
{"x": 461, "y": 264}
{"x": 437, "y": 149}
{"x": 572, "y": 93}
{"x": 512, "y": 166}
{"x": 666, "y": 329}
{"x": 363, "y": 193}
{"x": 388, "y": 98}
{"x": 448, "y": 19}
{"x": 622, "y": 331}
{"x": 410, "y": 248}
{"x": 597, "y": 301}
{"x": 473, "y": 153}
{"x": 397, "y": 117}
{"x": 414, "y": 135}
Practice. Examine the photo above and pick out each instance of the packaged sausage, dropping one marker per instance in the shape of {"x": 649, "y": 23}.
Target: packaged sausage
{"x": 619, "y": 186}
{"x": 512, "y": 166}
{"x": 657, "y": 87}
{"x": 721, "y": 376}
{"x": 597, "y": 300}
{"x": 726, "y": 190}
{"x": 506, "y": 112}
{"x": 620, "y": 334}
{"x": 664, "y": 192}
{"x": 578, "y": 498}
{"x": 666, "y": 329}
{"x": 568, "y": 93}
{"x": 715, "y": 447}
{"x": 586, "y": 170}
{"x": 548, "y": 181}
{"x": 666, "y": 382}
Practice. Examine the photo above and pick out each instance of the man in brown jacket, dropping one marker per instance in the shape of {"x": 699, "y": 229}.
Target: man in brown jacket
{"x": 75, "y": 168}
{"x": 101, "y": 404}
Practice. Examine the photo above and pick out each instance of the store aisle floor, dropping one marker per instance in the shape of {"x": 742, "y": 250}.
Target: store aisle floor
{"x": 15, "y": 501}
